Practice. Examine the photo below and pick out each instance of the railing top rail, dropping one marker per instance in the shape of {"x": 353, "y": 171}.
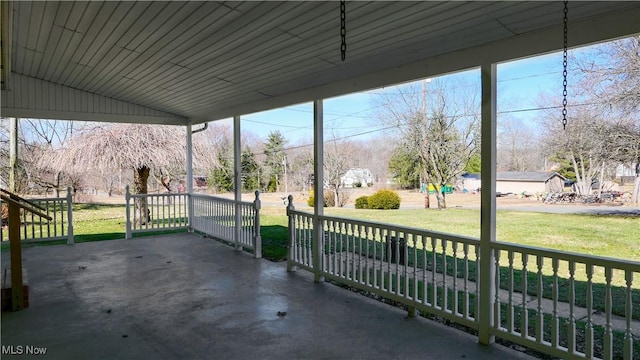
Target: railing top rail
{"x": 48, "y": 199}
{"x": 569, "y": 256}
{"x": 20, "y": 199}
{"x": 221, "y": 199}
{"x": 409, "y": 229}
{"x": 532, "y": 250}
{"x": 156, "y": 195}
{"x": 27, "y": 206}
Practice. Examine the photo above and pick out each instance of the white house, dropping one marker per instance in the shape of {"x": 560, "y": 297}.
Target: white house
{"x": 357, "y": 175}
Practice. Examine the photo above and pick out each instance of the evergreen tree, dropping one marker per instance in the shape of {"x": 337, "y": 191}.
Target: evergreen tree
{"x": 405, "y": 167}
{"x": 274, "y": 165}
{"x": 250, "y": 170}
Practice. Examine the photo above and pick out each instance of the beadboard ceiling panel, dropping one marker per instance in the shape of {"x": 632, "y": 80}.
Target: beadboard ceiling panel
{"x": 190, "y": 61}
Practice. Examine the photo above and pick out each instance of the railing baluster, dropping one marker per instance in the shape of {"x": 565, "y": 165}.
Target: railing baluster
{"x": 368, "y": 236}
{"x": 454, "y": 258}
{"x": 588, "y": 348}
{"x": 628, "y": 313}
{"x": 555, "y": 327}
{"x": 497, "y": 322}
{"x": 571, "y": 331}
{"x": 444, "y": 274}
{"x": 359, "y": 253}
{"x": 510, "y": 308}
{"x": 465, "y": 284}
{"x": 539, "y": 293}
{"x": 414, "y": 241}
{"x": 524, "y": 316}
{"x": 434, "y": 269}
{"x": 608, "y": 334}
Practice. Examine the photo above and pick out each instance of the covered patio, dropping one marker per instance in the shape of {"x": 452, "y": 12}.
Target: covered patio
{"x": 188, "y": 297}
{"x": 188, "y": 63}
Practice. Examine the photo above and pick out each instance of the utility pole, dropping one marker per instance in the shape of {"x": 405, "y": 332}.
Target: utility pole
{"x": 13, "y": 154}
{"x": 284, "y": 163}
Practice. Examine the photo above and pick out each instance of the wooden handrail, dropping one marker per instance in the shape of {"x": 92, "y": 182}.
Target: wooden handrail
{"x": 27, "y": 207}
{"x": 18, "y": 198}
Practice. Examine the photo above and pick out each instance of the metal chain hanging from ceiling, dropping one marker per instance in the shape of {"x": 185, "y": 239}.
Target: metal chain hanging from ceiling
{"x": 564, "y": 67}
{"x": 343, "y": 29}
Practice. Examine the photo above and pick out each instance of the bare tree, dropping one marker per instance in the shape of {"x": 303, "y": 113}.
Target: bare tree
{"x": 375, "y": 154}
{"x": 608, "y": 79}
{"x": 301, "y": 165}
{"x": 610, "y": 73}
{"x": 592, "y": 144}
{"x": 37, "y": 137}
{"x": 338, "y": 159}
{"x": 137, "y": 147}
{"x": 518, "y": 146}
{"x": 440, "y": 120}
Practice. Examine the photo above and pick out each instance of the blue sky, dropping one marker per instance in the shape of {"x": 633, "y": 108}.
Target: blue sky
{"x": 519, "y": 85}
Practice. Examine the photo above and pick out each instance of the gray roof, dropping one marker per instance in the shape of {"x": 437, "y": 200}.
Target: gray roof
{"x": 526, "y": 175}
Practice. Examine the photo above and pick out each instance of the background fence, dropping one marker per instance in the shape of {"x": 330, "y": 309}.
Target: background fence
{"x": 35, "y": 229}
{"x": 156, "y": 212}
{"x": 217, "y": 217}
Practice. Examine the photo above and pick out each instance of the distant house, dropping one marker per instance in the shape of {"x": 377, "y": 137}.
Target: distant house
{"x": 529, "y": 181}
{"x": 470, "y": 182}
{"x": 357, "y": 175}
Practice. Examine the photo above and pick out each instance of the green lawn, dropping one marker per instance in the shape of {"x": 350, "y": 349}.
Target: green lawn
{"x": 603, "y": 235}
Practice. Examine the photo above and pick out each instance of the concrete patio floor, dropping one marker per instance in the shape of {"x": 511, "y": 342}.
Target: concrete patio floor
{"x": 187, "y": 297}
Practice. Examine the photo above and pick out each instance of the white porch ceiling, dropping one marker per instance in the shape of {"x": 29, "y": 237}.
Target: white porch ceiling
{"x": 191, "y": 62}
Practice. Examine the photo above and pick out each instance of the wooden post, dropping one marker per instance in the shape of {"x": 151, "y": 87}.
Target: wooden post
{"x": 17, "y": 300}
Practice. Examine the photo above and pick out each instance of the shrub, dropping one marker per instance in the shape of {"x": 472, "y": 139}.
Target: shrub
{"x": 328, "y": 198}
{"x": 357, "y": 184}
{"x": 311, "y": 198}
{"x": 362, "y": 202}
{"x": 384, "y": 199}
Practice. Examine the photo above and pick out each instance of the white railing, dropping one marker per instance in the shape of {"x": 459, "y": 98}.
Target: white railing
{"x": 567, "y": 304}
{"x": 35, "y": 229}
{"x": 217, "y": 217}
{"x": 156, "y": 212}
{"x": 590, "y": 306}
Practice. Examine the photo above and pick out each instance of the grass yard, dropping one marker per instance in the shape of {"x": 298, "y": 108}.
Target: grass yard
{"x": 602, "y": 235}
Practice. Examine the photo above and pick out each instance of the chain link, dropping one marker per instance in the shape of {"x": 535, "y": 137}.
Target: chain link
{"x": 343, "y": 29}
{"x": 564, "y": 67}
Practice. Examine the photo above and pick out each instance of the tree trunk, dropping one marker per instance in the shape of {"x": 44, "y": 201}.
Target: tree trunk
{"x": 635, "y": 198}
{"x": 426, "y": 192}
{"x": 140, "y": 178}
{"x": 336, "y": 197}
{"x": 440, "y": 196}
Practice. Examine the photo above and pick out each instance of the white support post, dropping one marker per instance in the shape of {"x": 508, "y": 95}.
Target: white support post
{"x": 127, "y": 200}
{"x": 237, "y": 181}
{"x": 257, "y": 238}
{"x": 318, "y": 188}
{"x": 189, "y": 180}
{"x": 488, "y": 205}
{"x": 291, "y": 234}
{"x": 70, "y": 240}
